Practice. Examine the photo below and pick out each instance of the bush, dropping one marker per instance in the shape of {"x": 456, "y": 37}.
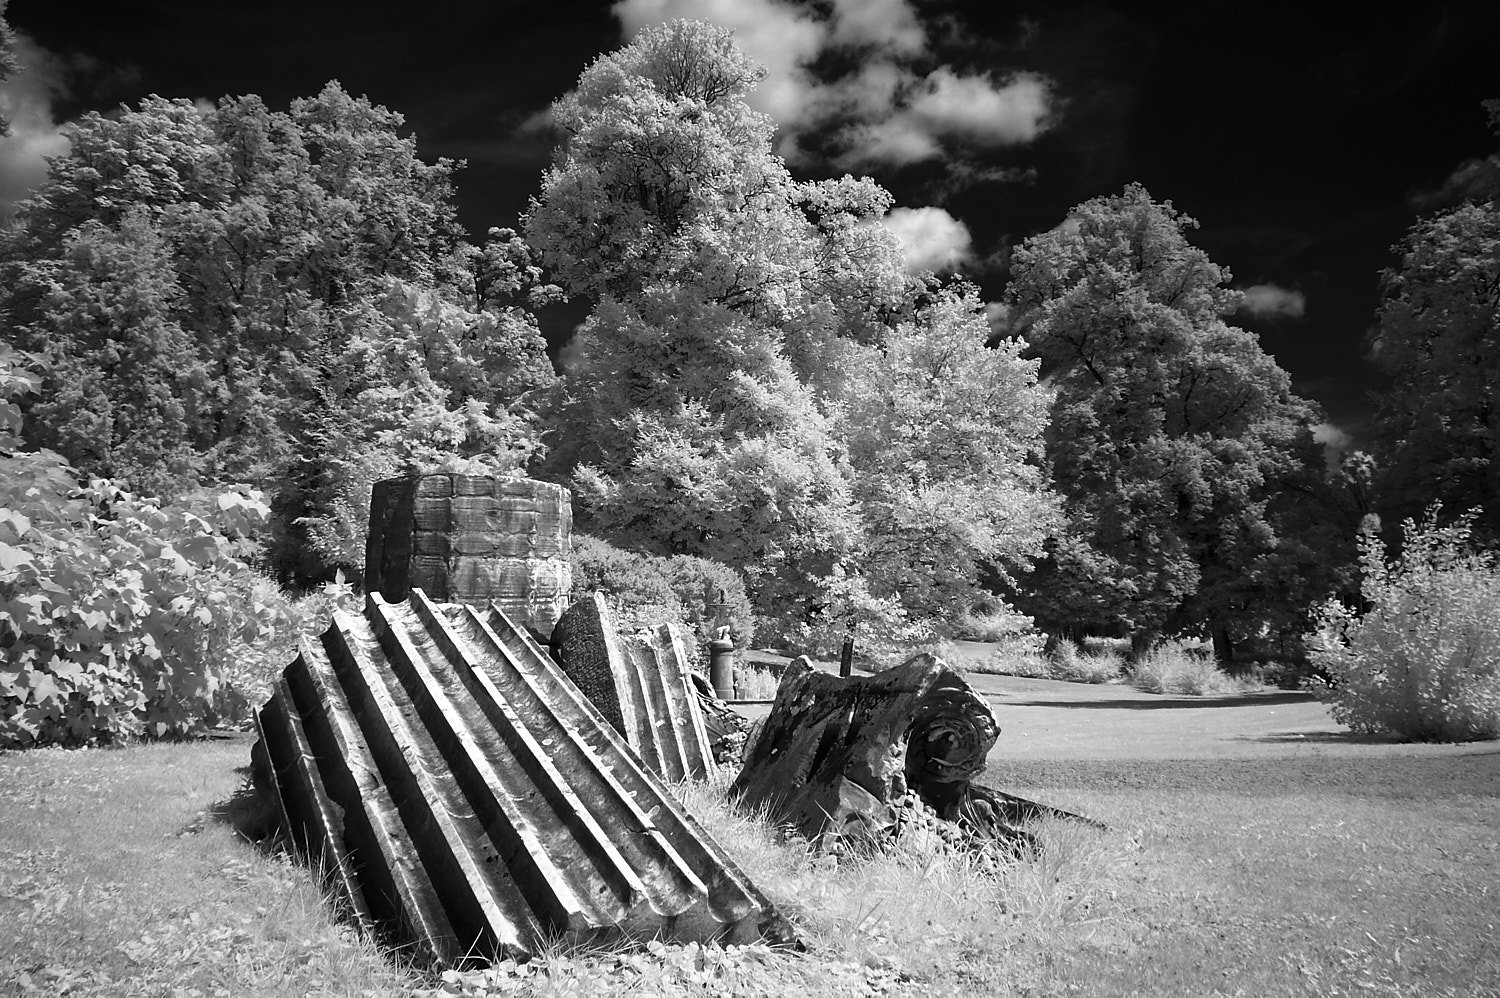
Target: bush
{"x": 117, "y": 614}
{"x": 994, "y": 622}
{"x": 1018, "y": 655}
{"x": 1175, "y": 667}
{"x": 1073, "y": 665}
{"x": 1423, "y": 661}
{"x": 753, "y": 683}
{"x": 644, "y": 590}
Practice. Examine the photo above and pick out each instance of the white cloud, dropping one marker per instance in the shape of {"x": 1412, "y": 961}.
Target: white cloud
{"x": 1330, "y": 435}
{"x": 896, "y": 141}
{"x": 887, "y": 24}
{"x": 975, "y": 108}
{"x": 869, "y": 92}
{"x": 1271, "y": 301}
{"x": 26, "y": 99}
{"x": 931, "y": 239}
{"x": 997, "y": 314}
{"x": 1336, "y": 442}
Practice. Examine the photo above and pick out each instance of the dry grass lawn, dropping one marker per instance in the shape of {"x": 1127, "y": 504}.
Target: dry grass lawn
{"x": 1369, "y": 870}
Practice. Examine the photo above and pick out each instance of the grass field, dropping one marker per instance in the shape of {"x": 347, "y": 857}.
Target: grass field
{"x": 1340, "y": 876}
{"x": 1351, "y": 869}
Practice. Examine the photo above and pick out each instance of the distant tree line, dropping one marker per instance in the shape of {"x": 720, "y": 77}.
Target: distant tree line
{"x": 286, "y": 299}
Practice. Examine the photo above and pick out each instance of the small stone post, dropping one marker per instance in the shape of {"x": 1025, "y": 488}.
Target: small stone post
{"x": 721, "y": 664}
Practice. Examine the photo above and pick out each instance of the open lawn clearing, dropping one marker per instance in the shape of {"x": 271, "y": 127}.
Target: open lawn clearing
{"x": 1346, "y": 868}
{"x": 120, "y": 881}
{"x": 1253, "y": 880}
{"x": 1278, "y": 853}
{"x": 114, "y": 880}
{"x": 1046, "y": 719}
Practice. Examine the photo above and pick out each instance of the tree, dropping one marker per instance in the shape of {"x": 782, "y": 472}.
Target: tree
{"x": 123, "y": 372}
{"x": 1438, "y": 338}
{"x": 207, "y": 287}
{"x": 1172, "y": 433}
{"x": 721, "y": 285}
{"x": 8, "y": 63}
{"x": 414, "y": 392}
{"x": 943, "y": 436}
{"x": 741, "y": 389}
{"x": 702, "y": 441}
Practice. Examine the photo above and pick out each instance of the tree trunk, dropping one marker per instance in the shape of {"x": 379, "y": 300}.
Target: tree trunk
{"x": 1223, "y": 646}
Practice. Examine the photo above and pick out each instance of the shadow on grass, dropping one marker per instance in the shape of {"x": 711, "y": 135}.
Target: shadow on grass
{"x": 1172, "y": 702}
{"x": 250, "y": 811}
{"x": 1320, "y": 738}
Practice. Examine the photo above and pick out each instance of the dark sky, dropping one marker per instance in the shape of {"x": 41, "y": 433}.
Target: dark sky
{"x": 1304, "y": 144}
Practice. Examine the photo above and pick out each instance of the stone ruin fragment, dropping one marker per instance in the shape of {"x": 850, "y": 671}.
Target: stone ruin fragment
{"x": 467, "y": 801}
{"x": 474, "y": 539}
{"x": 641, "y": 683}
{"x": 837, "y": 756}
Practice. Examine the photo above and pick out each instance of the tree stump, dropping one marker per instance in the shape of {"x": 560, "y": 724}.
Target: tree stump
{"x": 835, "y": 753}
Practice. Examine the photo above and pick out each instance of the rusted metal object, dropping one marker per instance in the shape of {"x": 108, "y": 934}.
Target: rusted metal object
{"x": 642, "y": 685}
{"x": 835, "y": 753}
{"x": 465, "y": 799}
{"x": 474, "y": 539}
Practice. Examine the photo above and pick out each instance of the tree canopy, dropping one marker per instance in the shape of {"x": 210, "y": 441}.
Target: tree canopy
{"x": 741, "y": 374}
{"x": 237, "y": 294}
{"x": 8, "y": 63}
{"x": 1172, "y": 431}
{"x": 1438, "y": 339}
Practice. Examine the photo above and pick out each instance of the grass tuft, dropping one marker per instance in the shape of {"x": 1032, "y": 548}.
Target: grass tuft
{"x": 1178, "y": 668}
{"x": 919, "y": 909}
{"x": 1073, "y": 664}
{"x": 751, "y": 683}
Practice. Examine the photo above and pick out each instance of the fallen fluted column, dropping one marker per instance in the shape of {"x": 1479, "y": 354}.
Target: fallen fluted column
{"x": 641, "y": 683}
{"x": 466, "y": 800}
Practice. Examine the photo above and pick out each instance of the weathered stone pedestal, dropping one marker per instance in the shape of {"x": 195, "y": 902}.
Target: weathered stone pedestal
{"x": 474, "y": 539}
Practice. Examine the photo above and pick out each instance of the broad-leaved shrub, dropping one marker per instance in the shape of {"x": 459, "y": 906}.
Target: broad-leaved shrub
{"x": 1423, "y": 661}
{"x": 118, "y": 615}
{"x": 644, "y": 590}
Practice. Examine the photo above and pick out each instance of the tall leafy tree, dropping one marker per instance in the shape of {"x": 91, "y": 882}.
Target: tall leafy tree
{"x": 8, "y": 63}
{"x": 206, "y": 286}
{"x": 705, "y": 443}
{"x": 1172, "y": 433}
{"x": 759, "y": 381}
{"x": 696, "y": 429}
{"x": 944, "y": 433}
{"x": 1438, "y": 338}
